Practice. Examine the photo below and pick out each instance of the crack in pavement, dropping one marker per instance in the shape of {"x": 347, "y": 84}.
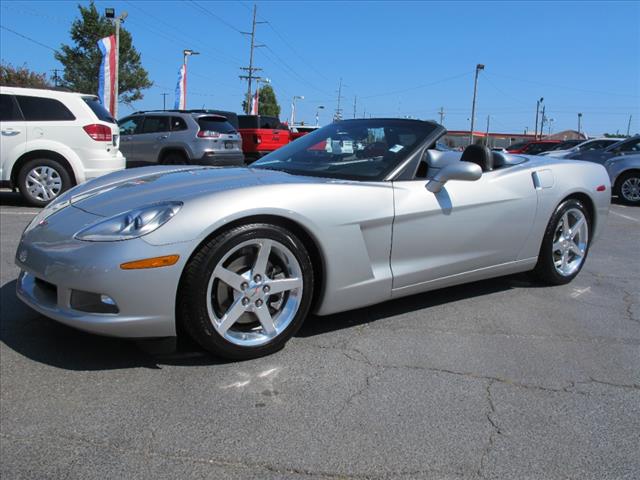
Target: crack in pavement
{"x": 506, "y": 381}
{"x": 185, "y": 457}
{"x": 495, "y": 430}
{"x": 628, "y": 303}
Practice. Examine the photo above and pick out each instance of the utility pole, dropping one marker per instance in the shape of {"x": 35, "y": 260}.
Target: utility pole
{"x": 542, "y": 118}
{"x": 338, "y": 114}
{"x": 56, "y": 78}
{"x": 251, "y": 69}
{"x": 355, "y": 100}
{"x": 441, "y": 113}
{"x": 629, "y": 125}
{"x": 164, "y": 100}
{"x": 579, "y": 122}
{"x": 473, "y": 105}
{"x": 111, "y": 13}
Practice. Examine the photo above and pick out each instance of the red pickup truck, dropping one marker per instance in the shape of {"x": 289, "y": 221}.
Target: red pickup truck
{"x": 261, "y": 135}
{"x": 298, "y": 131}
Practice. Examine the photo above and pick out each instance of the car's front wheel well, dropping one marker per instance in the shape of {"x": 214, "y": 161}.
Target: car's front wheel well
{"x": 48, "y": 154}
{"x": 298, "y": 230}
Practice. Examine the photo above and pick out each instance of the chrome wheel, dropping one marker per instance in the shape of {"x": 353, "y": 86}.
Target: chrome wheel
{"x": 570, "y": 242}
{"x": 254, "y": 292}
{"x": 630, "y": 189}
{"x": 43, "y": 183}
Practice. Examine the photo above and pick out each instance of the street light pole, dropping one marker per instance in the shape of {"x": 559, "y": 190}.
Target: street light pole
{"x": 486, "y": 137}
{"x": 320, "y": 107}
{"x": 579, "y": 122}
{"x": 542, "y": 119}
{"x": 111, "y": 13}
{"x": 293, "y": 108}
{"x": 186, "y": 53}
{"x": 538, "y": 102}
{"x": 473, "y": 105}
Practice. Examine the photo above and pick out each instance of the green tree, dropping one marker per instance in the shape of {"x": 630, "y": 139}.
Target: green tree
{"x": 11, "y": 76}
{"x": 267, "y": 102}
{"x": 82, "y": 60}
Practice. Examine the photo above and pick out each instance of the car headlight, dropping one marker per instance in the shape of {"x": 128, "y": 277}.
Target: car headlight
{"x": 131, "y": 224}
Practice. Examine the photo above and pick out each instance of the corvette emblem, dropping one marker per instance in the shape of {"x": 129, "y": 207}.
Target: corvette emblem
{"x": 22, "y": 256}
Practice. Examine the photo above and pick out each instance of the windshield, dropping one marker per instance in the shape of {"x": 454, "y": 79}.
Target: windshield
{"x": 567, "y": 144}
{"x": 351, "y": 149}
{"x": 517, "y": 146}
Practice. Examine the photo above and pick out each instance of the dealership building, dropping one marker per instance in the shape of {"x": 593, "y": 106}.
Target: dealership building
{"x": 460, "y": 138}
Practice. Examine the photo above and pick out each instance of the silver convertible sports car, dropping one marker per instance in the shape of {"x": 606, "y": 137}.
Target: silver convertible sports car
{"x": 355, "y": 213}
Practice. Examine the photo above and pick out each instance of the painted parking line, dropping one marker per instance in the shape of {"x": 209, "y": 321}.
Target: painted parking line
{"x": 624, "y": 216}
{"x": 17, "y": 212}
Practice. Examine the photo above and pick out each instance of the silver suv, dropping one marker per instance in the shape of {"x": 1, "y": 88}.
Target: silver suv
{"x": 179, "y": 137}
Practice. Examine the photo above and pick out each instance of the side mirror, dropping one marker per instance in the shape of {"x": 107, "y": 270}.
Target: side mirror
{"x": 465, "y": 171}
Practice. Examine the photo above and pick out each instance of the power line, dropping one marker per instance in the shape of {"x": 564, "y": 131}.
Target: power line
{"x": 565, "y": 87}
{"x": 417, "y": 87}
{"x": 213, "y": 15}
{"x": 293, "y": 71}
{"x": 182, "y": 39}
{"x": 28, "y": 38}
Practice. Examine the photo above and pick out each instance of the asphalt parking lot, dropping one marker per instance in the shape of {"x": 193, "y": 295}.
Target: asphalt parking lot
{"x": 503, "y": 378}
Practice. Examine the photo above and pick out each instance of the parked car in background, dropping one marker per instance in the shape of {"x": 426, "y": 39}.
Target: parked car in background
{"x": 180, "y": 138}
{"x": 624, "y": 172}
{"x": 261, "y": 134}
{"x": 533, "y": 147}
{"x": 297, "y": 131}
{"x": 53, "y": 140}
{"x": 583, "y": 146}
{"x": 629, "y": 146}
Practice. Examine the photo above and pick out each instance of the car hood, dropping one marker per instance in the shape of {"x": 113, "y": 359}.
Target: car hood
{"x": 134, "y": 188}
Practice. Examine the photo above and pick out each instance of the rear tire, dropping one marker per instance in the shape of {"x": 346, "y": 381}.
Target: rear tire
{"x": 175, "y": 158}
{"x": 42, "y": 180}
{"x": 628, "y": 188}
{"x": 247, "y": 291}
{"x": 565, "y": 244}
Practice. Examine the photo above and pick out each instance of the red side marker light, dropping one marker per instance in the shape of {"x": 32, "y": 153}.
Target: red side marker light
{"x": 600, "y": 188}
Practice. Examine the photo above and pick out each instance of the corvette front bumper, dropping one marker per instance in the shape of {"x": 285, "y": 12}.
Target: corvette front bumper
{"x": 81, "y": 284}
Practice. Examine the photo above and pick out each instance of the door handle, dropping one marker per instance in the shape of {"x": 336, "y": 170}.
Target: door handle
{"x": 10, "y": 131}
{"x": 163, "y": 137}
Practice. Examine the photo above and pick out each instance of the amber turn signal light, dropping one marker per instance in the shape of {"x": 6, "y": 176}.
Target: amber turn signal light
{"x": 154, "y": 262}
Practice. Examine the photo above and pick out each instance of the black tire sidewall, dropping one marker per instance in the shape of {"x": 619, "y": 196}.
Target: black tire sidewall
{"x": 545, "y": 268}
{"x": 618, "y": 190}
{"x": 192, "y": 295}
{"x": 175, "y": 159}
{"x": 42, "y": 162}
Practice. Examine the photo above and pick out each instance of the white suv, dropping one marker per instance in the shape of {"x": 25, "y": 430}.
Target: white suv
{"x": 53, "y": 140}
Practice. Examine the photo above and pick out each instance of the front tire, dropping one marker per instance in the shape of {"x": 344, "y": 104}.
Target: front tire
{"x": 565, "y": 244}
{"x": 628, "y": 188}
{"x": 247, "y": 291}
{"x": 41, "y": 180}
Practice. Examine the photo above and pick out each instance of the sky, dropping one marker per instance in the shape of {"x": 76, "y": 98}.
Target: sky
{"x": 395, "y": 59}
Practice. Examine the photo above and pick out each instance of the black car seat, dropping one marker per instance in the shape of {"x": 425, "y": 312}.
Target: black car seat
{"x": 480, "y": 155}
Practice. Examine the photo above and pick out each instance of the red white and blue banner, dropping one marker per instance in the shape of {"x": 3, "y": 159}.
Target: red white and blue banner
{"x": 181, "y": 89}
{"x": 254, "y": 104}
{"x": 107, "y": 75}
